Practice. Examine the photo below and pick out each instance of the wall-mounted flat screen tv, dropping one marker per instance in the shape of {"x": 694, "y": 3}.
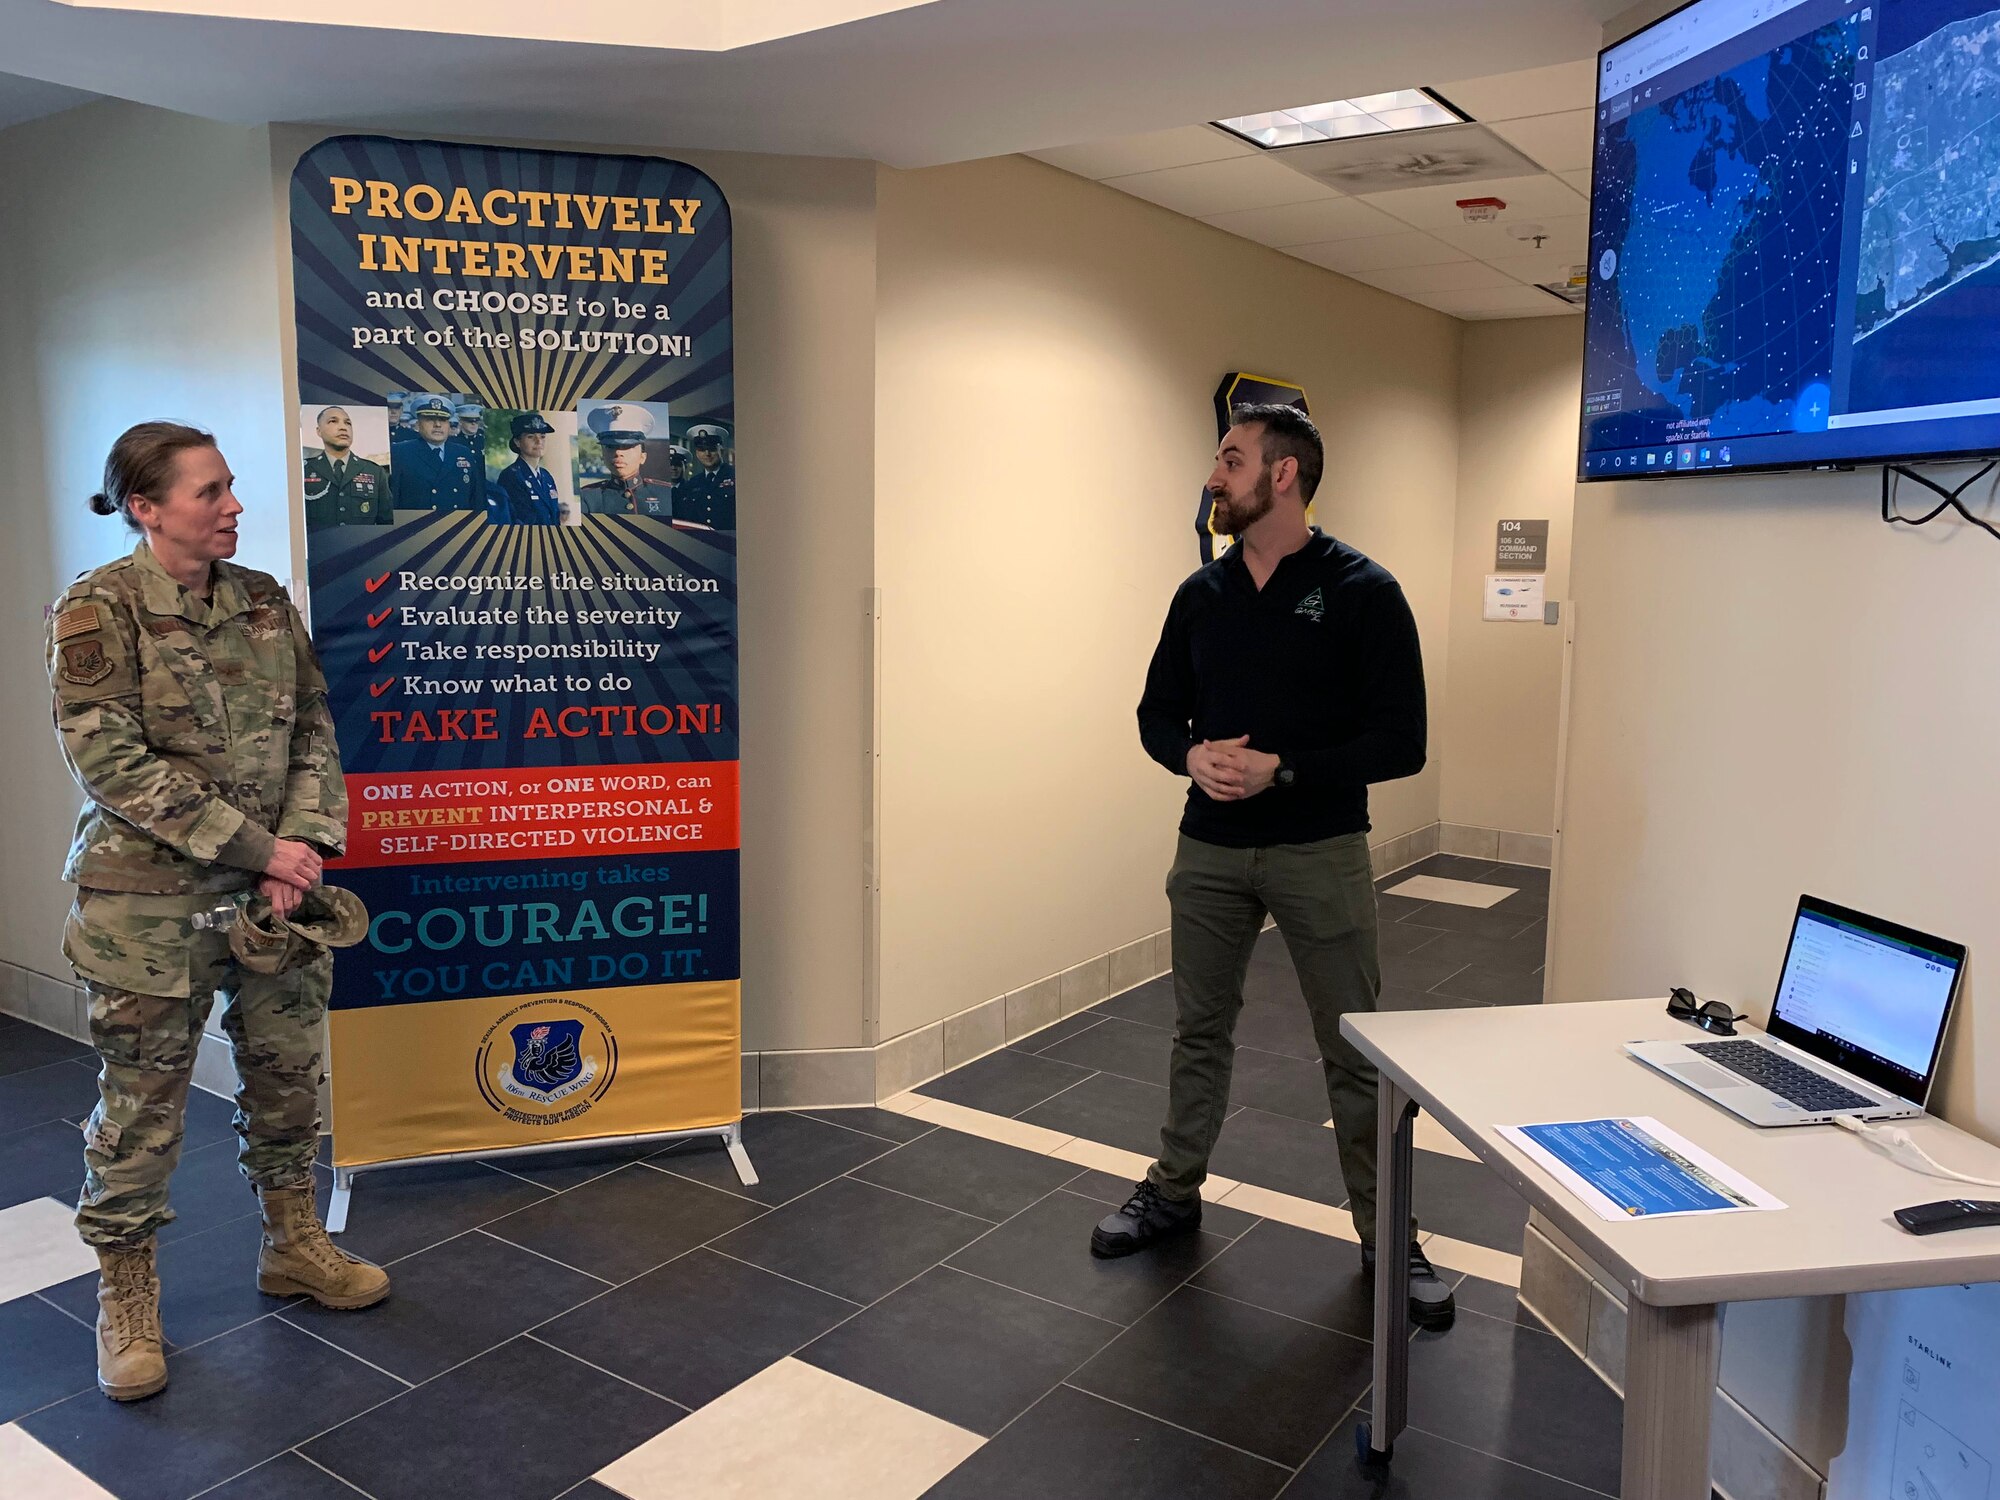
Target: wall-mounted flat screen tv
{"x": 1795, "y": 239}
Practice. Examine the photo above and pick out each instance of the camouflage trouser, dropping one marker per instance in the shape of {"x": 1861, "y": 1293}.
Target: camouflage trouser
{"x": 152, "y": 977}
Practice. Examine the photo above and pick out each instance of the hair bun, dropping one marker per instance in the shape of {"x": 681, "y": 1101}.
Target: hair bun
{"x": 100, "y": 505}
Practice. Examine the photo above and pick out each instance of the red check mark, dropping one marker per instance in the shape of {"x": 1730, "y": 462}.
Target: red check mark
{"x": 375, "y": 621}
{"x": 381, "y": 651}
{"x": 377, "y": 689}
{"x": 373, "y": 584}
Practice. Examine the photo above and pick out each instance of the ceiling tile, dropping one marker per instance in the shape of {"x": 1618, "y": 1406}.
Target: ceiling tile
{"x": 1378, "y": 252}
{"x": 1559, "y": 143}
{"x": 1578, "y": 180}
{"x": 1567, "y": 235}
{"x": 1307, "y": 223}
{"x": 1496, "y": 302}
{"x": 1437, "y": 207}
{"x": 1534, "y": 91}
{"x": 1452, "y": 276}
{"x": 1156, "y": 150}
{"x": 1221, "y": 187}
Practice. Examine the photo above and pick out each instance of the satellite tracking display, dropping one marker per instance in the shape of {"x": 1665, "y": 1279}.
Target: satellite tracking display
{"x": 1795, "y": 239}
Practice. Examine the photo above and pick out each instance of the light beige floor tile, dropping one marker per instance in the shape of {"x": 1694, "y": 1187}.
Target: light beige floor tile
{"x": 31, "y": 1470}
{"x": 1131, "y": 1165}
{"x": 1301, "y": 1213}
{"x": 39, "y": 1247}
{"x": 902, "y": 1104}
{"x": 795, "y": 1430}
{"x": 1456, "y": 892}
{"x": 1460, "y": 1255}
{"x": 1432, "y": 1136}
{"x": 992, "y": 1127}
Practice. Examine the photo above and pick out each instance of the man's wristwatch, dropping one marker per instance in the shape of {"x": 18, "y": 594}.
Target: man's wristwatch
{"x": 1286, "y": 773}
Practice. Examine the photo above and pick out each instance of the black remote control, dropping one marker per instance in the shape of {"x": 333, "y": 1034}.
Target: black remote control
{"x": 1952, "y": 1213}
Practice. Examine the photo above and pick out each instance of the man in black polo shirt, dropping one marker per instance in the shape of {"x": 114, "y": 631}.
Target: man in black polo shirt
{"x": 1287, "y": 679}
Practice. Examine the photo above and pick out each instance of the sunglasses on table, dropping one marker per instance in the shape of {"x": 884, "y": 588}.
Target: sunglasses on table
{"x": 1709, "y": 1015}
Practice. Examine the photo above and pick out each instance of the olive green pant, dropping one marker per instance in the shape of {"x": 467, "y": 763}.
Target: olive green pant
{"x": 147, "y": 1044}
{"x": 1322, "y": 896}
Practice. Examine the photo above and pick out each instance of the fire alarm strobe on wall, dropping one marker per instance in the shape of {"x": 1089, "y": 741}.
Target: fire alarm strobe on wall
{"x": 1481, "y": 210}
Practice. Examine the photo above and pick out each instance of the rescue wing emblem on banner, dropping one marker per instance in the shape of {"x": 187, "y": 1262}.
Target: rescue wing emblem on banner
{"x": 547, "y": 1054}
{"x": 560, "y": 1065}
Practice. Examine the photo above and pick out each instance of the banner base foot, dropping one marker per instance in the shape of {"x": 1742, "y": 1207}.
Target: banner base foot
{"x": 732, "y": 1140}
{"x": 336, "y": 1208}
{"x": 731, "y": 1136}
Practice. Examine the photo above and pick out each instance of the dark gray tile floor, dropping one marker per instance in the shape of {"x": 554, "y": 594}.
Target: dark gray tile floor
{"x": 582, "y": 1304}
{"x": 1103, "y": 1075}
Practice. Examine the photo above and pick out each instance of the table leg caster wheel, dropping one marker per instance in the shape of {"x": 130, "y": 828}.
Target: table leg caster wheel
{"x": 1365, "y": 1452}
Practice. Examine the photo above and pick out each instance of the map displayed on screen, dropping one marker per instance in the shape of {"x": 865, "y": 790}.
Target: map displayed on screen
{"x": 1930, "y": 217}
{"x": 1795, "y": 238}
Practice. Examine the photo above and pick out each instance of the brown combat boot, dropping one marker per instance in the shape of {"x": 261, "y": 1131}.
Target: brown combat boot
{"x": 131, "y": 1364}
{"x": 297, "y": 1258}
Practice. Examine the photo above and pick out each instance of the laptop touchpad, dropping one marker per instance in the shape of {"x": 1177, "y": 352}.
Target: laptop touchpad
{"x": 1703, "y": 1075}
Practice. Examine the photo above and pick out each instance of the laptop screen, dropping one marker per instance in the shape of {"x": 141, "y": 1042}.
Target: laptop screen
{"x": 1866, "y": 995}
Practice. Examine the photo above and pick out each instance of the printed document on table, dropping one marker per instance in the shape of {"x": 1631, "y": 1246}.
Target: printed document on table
{"x": 1636, "y": 1169}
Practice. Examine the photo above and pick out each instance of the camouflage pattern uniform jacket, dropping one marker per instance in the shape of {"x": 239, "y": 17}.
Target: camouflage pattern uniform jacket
{"x": 198, "y": 729}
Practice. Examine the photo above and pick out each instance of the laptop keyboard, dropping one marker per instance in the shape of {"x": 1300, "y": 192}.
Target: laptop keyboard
{"x": 1783, "y": 1077}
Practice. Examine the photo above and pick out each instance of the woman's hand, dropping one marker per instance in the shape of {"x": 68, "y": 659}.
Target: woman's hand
{"x": 284, "y": 898}
{"x": 295, "y": 864}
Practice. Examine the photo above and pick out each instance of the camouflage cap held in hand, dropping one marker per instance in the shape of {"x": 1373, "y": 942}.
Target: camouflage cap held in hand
{"x": 327, "y": 917}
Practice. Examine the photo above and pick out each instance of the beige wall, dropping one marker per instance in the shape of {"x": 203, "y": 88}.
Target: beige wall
{"x": 1774, "y": 692}
{"x": 1771, "y": 693}
{"x": 1496, "y": 729}
{"x": 138, "y": 282}
{"x": 148, "y": 281}
{"x": 1772, "y": 685}
{"x": 1024, "y": 570}
{"x": 1046, "y": 358}
{"x": 804, "y": 239}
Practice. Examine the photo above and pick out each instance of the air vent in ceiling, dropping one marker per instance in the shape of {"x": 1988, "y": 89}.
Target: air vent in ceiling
{"x": 1419, "y": 158}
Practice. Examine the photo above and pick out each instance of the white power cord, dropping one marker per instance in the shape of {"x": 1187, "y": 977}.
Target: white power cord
{"x": 1902, "y": 1146}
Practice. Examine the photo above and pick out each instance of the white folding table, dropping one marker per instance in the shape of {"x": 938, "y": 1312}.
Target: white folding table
{"x": 1474, "y": 1070}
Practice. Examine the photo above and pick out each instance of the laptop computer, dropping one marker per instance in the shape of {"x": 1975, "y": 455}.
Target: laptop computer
{"x": 1856, "y": 1029}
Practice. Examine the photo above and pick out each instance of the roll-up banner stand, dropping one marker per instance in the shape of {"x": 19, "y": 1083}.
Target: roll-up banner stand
{"x": 516, "y": 407}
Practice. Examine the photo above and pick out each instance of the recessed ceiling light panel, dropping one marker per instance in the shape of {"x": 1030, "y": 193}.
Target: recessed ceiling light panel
{"x": 1345, "y": 119}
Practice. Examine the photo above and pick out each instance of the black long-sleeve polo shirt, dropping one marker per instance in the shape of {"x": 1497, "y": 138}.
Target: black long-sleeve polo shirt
{"x": 1320, "y": 666}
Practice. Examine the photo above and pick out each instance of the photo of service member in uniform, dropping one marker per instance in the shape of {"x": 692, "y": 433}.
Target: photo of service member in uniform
{"x": 622, "y": 429}
{"x": 435, "y": 470}
{"x": 707, "y": 497}
{"x": 341, "y": 487}
{"x": 525, "y": 493}
{"x": 191, "y": 710}
{"x": 472, "y": 426}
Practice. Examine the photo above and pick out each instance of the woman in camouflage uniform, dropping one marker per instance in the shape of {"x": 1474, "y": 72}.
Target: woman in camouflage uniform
{"x": 191, "y": 710}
